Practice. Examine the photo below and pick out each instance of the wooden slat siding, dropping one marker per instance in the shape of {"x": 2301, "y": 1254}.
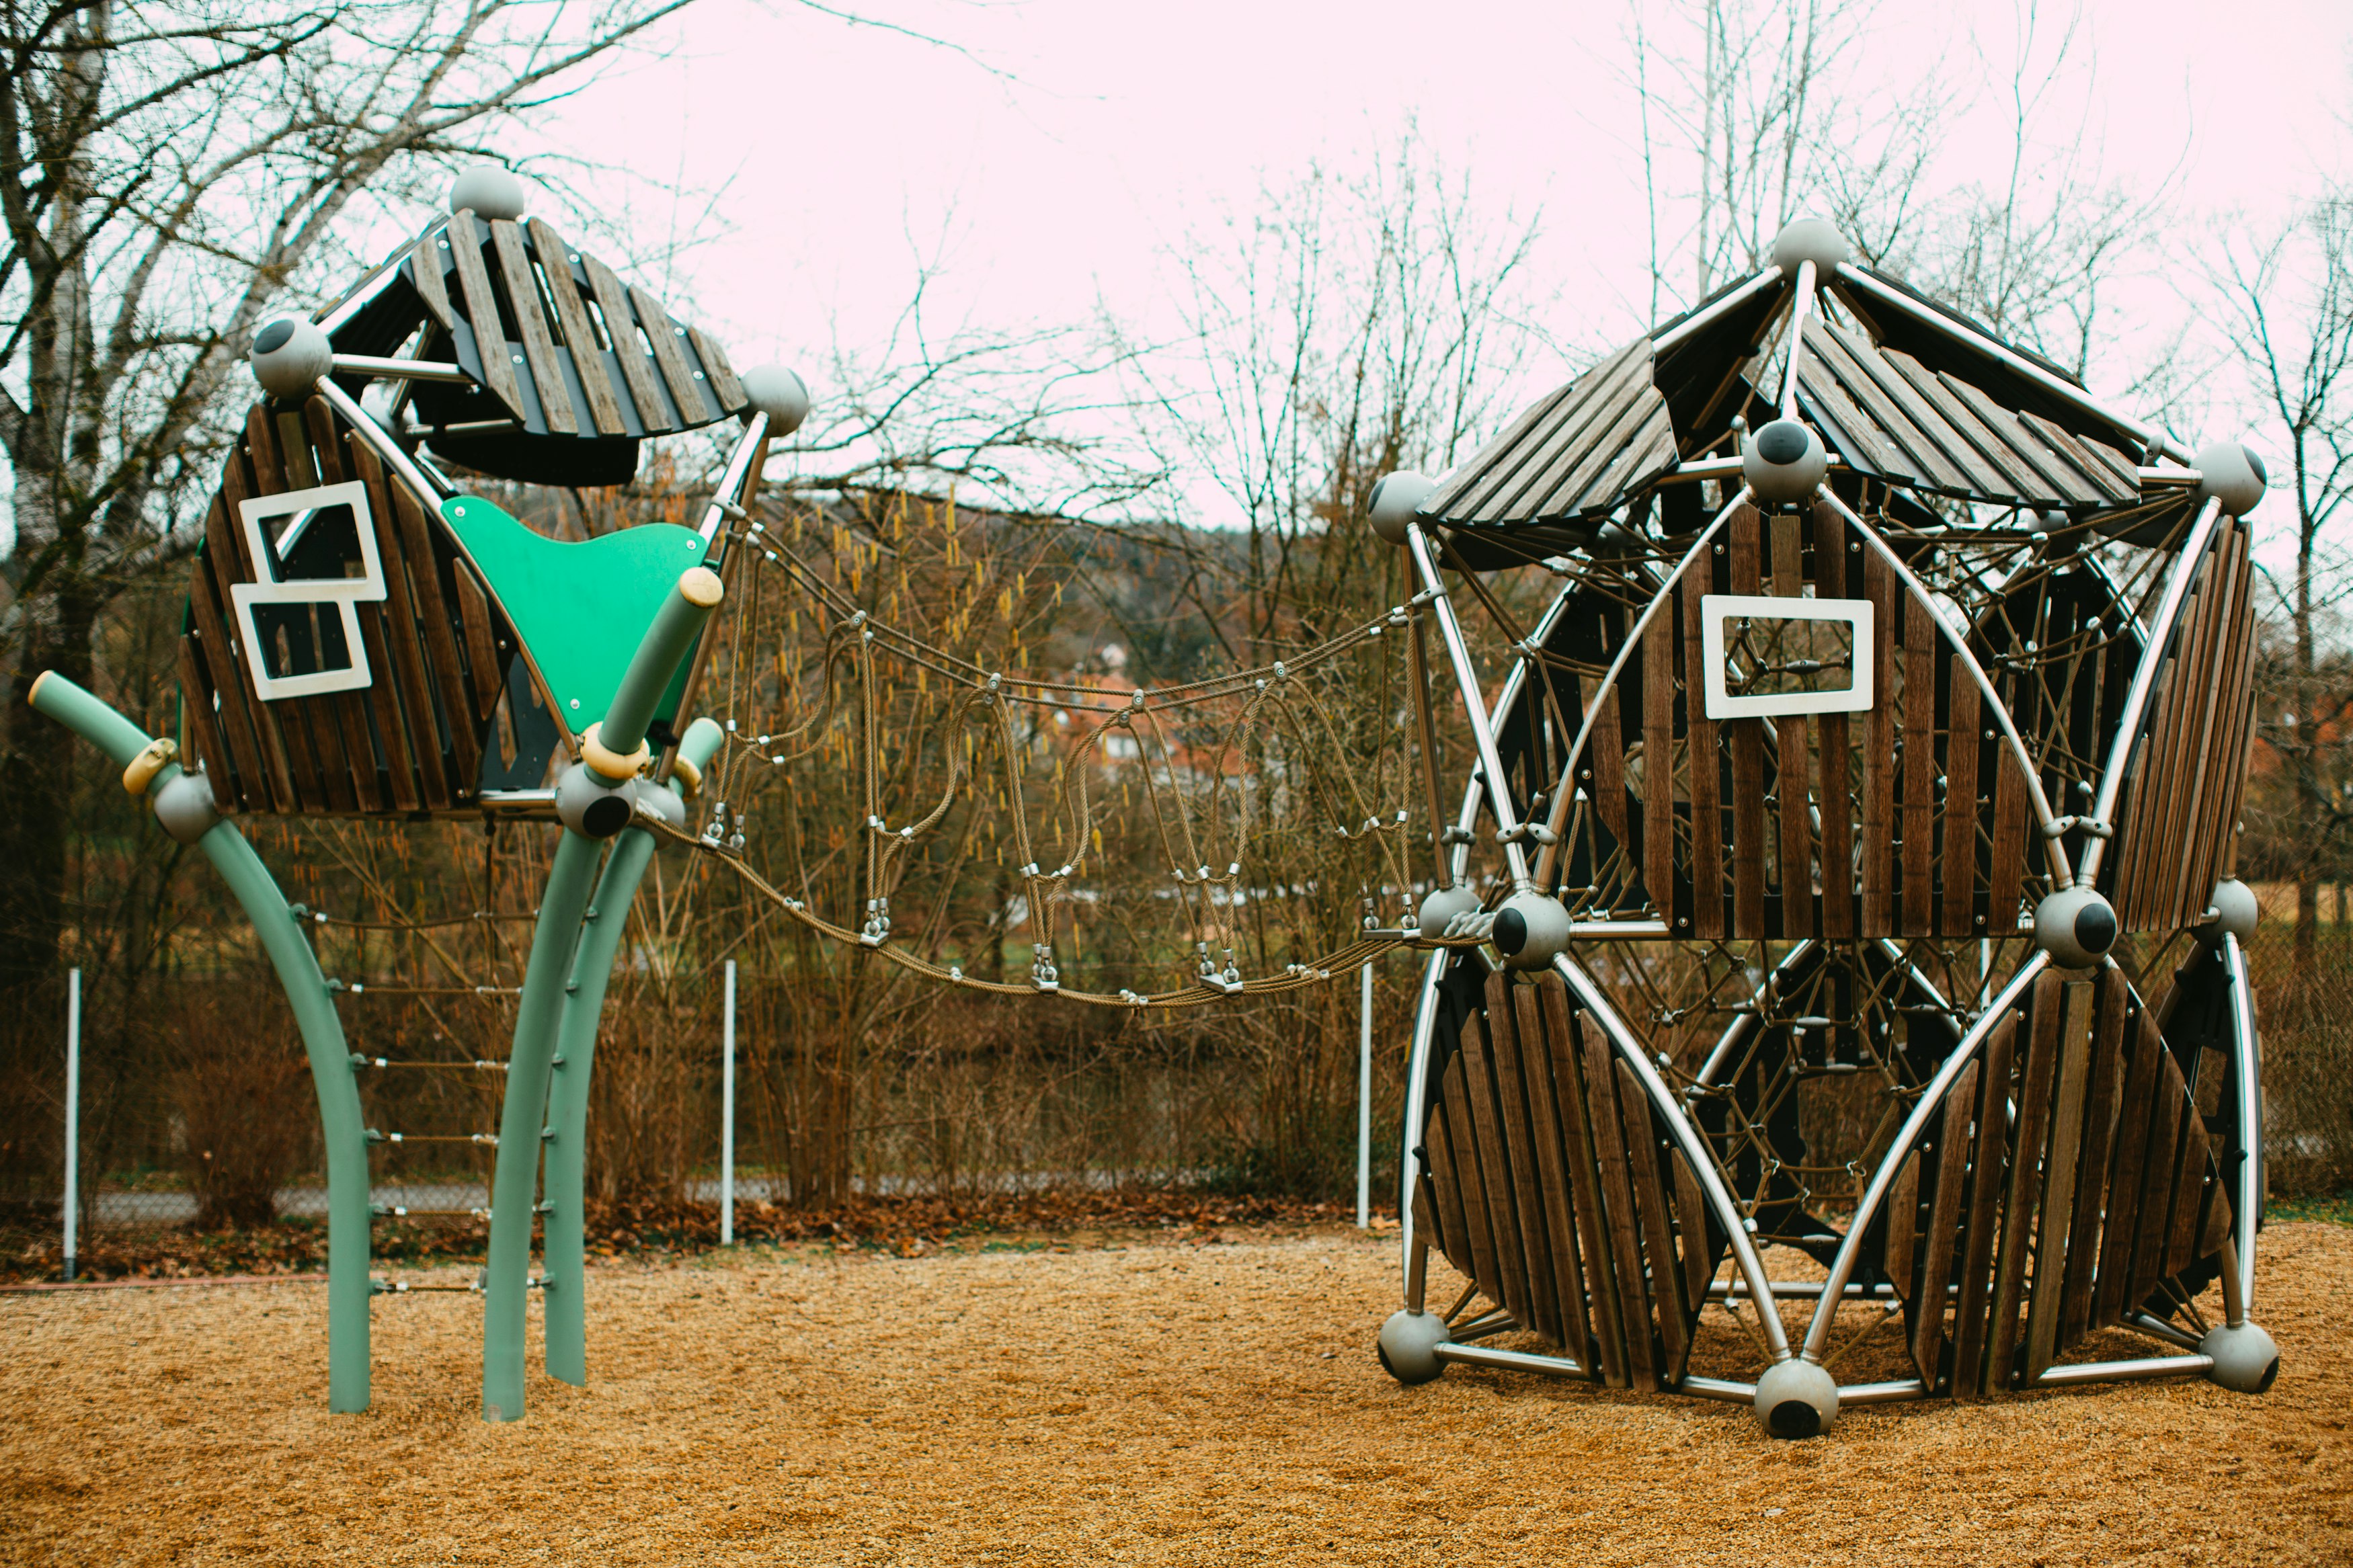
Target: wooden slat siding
{"x": 1956, "y": 861}
{"x": 396, "y": 788}
{"x": 440, "y": 641}
{"x": 1444, "y": 1163}
{"x": 1515, "y": 483}
{"x": 233, "y": 563}
{"x": 579, "y": 333}
{"x": 1919, "y": 768}
{"x": 2042, "y": 1020}
{"x": 2190, "y": 1167}
{"x": 1645, "y": 1172}
{"x": 2059, "y": 1179}
{"x": 256, "y": 776}
{"x": 1608, "y": 1130}
{"x": 281, "y": 721}
{"x": 2185, "y": 740}
{"x": 281, "y": 454}
{"x": 538, "y": 342}
{"x": 1585, "y": 1182}
{"x": 1937, "y": 455}
{"x": 1519, "y": 1138}
{"x": 2012, "y": 824}
{"x": 1606, "y": 754}
{"x": 203, "y": 739}
{"x": 1835, "y": 788}
{"x": 1494, "y": 1169}
{"x": 323, "y": 454}
{"x": 2225, "y": 763}
{"x": 1462, "y": 1137}
{"x": 2147, "y": 781}
{"x": 1706, "y": 768}
{"x": 2214, "y": 1228}
{"x": 2199, "y": 756}
{"x": 407, "y": 666}
{"x": 1425, "y": 1215}
{"x": 2122, "y": 1228}
{"x": 2111, "y": 1011}
{"x": 301, "y": 473}
{"x": 1878, "y": 915}
{"x": 1747, "y": 739}
{"x": 1792, "y": 786}
{"x": 1987, "y": 1169}
{"x": 1691, "y": 1222}
{"x": 1902, "y": 1244}
{"x": 724, "y": 386}
{"x": 629, "y": 348}
{"x": 2016, "y": 480}
{"x": 2156, "y": 1184}
{"x": 666, "y": 338}
{"x": 425, "y": 272}
{"x": 481, "y": 641}
{"x": 1659, "y": 765}
{"x": 482, "y": 313}
{"x": 1550, "y": 1148}
{"x": 1952, "y": 1151}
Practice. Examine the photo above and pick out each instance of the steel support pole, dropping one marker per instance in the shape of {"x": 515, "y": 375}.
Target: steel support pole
{"x": 1365, "y": 1099}
{"x": 2247, "y": 1070}
{"x": 73, "y": 1113}
{"x": 727, "y": 1120}
{"x": 342, "y": 1131}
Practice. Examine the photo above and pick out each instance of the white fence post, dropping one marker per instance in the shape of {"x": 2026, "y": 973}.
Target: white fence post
{"x": 1364, "y": 1101}
{"x": 73, "y": 1112}
{"x": 727, "y": 1123}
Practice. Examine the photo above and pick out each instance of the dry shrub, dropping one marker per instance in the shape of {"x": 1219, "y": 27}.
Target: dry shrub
{"x": 2304, "y": 1018}
{"x": 242, "y": 1090}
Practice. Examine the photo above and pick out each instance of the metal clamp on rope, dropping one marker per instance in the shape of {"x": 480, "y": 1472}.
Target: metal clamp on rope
{"x": 609, "y": 763}
{"x": 150, "y": 762}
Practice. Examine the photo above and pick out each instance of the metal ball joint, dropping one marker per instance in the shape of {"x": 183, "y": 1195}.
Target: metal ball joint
{"x": 1531, "y": 930}
{"x": 1409, "y": 1346}
{"x": 1805, "y": 239}
{"x": 1444, "y": 905}
{"x": 184, "y": 806}
{"x": 589, "y": 806}
{"x": 489, "y": 191}
{"x": 657, "y": 800}
{"x": 1783, "y": 461}
{"x": 1796, "y": 1399}
{"x": 2245, "y": 1359}
{"x": 2235, "y": 913}
{"x": 289, "y": 356}
{"x": 2231, "y": 472}
{"x": 1394, "y": 501}
{"x": 778, "y": 393}
{"x": 2077, "y": 927}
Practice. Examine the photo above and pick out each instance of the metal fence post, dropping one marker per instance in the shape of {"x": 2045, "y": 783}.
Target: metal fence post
{"x": 73, "y": 1112}
{"x": 727, "y": 1123}
{"x": 1365, "y": 1101}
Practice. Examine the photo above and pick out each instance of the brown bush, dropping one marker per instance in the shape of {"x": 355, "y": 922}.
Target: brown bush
{"x": 242, "y": 1091}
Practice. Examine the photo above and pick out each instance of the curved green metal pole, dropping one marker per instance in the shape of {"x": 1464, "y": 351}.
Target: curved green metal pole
{"x": 565, "y": 1242}
{"x": 340, "y": 1120}
{"x": 529, "y": 1062}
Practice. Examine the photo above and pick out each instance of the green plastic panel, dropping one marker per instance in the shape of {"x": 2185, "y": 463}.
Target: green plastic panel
{"x": 581, "y": 609}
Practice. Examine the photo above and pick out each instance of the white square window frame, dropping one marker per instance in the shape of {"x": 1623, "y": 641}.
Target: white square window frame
{"x": 346, "y": 594}
{"x": 1715, "y": 609}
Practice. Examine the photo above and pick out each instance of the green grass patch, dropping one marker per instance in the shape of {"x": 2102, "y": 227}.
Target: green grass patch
{"x": 2334, "y": 1208}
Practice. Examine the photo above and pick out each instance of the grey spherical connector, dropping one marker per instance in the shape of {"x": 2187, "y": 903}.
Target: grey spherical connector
{"x": 589, "y": 807}
{"x": 2235, "y": 913}
{"x": 184, "y": 805}
{"x": 2231, "y": 473}
{"x": 2077, "y": 927}
{"x": 489, "y": 191}
{"x": 778, "y": 393}
{"x": 1409, "y": 1346}
{"x": 2245, "y": 1359}
{"x": 1394, "y": 501}
{"x": 1796, "y": 1399}
{"x": 1813, "y": 239}
{"x": 1531, "y": 930}
{"x": 1783, "y": 461}
{"x": 289, "y": 356}
{"x": 1443, "y": 906}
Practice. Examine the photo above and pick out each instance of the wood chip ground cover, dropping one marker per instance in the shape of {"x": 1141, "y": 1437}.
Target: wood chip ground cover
{"x": 1129, "y": 1402}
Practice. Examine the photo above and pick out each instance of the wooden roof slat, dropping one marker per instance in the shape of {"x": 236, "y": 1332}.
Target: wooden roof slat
{"x": 482, "y": 313}
{"x": 555, "y": 262}
{"x": 1949, "y": 445}
{"x": 425, "y": 274}
{"x": 1582, "y": 490}
{"x": 1856, "y": 438}
{"x": 668, "y": 341}
{"x": 1473, "y": 470}
{"x": 2018, "y": 476}
{"x": 2058, "y": 477}
{"x": 1851, "y": 365}
{"x": 2106, "y": 468}
{"x": 1537, "y": 469}
{"x": 613, "y": 300}
{"x": 723, "y": 383}
{"x": 538, "y": 342}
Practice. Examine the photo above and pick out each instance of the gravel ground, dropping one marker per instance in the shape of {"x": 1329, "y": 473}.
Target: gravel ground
{"x": 1136, "y": 1401}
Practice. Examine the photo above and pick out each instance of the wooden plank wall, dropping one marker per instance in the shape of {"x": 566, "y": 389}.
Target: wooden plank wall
{"x": 412, "y": 741}
{"x": 1552, "y": 1187}
{"x": 2011, "y": 1240}
{"x": 2181, "y": 804}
